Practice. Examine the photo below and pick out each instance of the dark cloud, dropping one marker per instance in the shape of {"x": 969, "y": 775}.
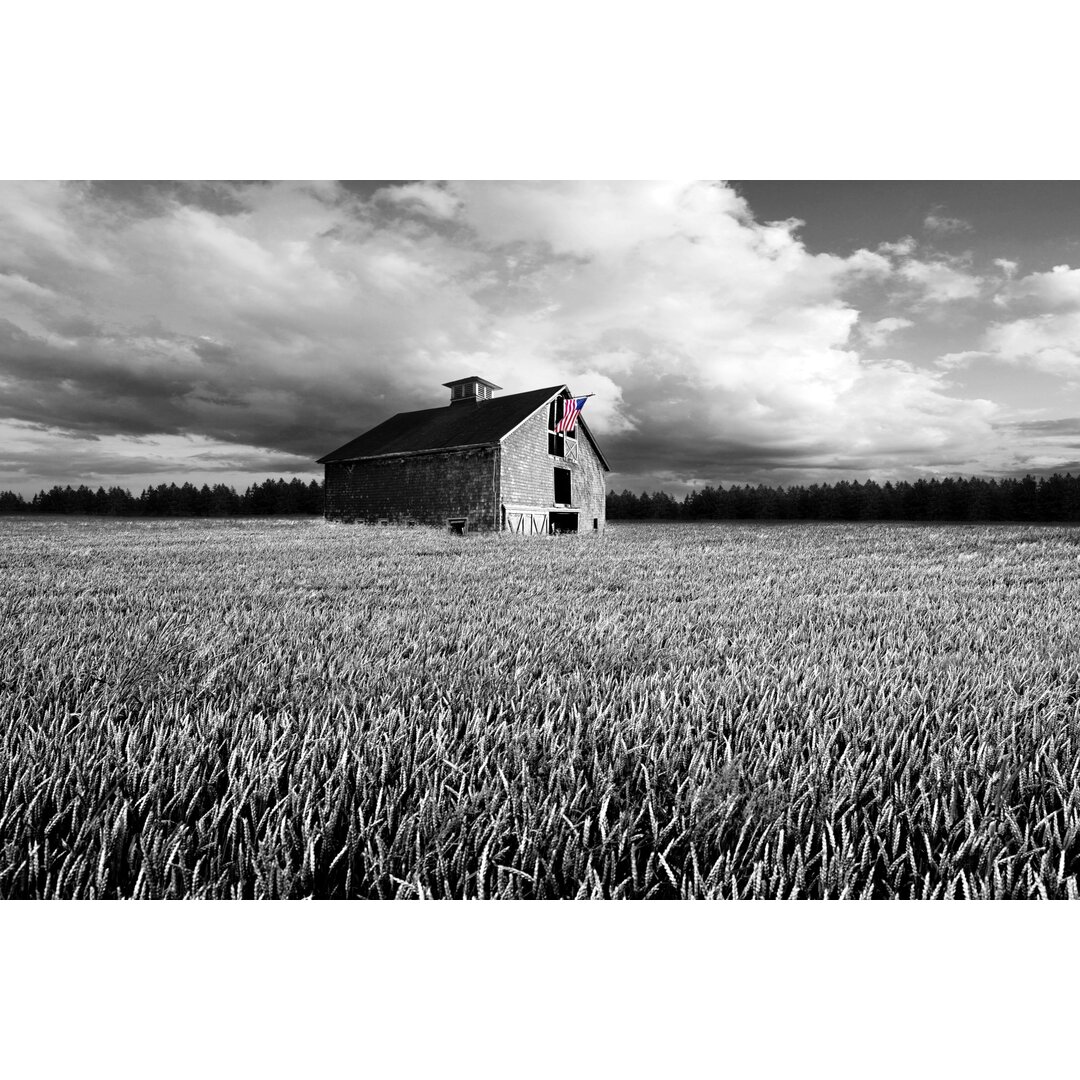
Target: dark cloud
{"x": 1062, "y": 425}
{"x": 153, "y": 198}
{"x": 87, "y": 390}
{"x": 711, "y": 457}
{"x": 1058, "y": 468}
{"x": 114, "y": 388}
{"x": 367, "y": 188}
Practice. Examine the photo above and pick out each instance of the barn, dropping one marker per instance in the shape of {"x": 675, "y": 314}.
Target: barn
{"x": 481, "y": 463}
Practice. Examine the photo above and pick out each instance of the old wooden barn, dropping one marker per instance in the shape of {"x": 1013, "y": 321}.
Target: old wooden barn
{"x": 480, "y": 463}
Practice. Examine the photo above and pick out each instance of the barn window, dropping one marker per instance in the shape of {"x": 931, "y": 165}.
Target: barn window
{"x": 563, "y": 492}
{"x": 556, "y": 440}
{"x": 596, "y": 524}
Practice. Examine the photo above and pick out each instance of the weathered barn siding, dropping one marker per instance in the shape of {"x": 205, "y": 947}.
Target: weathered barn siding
{"x": 426, "y": 488}
{"x": 528, "y": 472}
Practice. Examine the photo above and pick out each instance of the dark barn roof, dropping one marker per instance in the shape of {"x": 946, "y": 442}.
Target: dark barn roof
{"x": 447, "y": 427}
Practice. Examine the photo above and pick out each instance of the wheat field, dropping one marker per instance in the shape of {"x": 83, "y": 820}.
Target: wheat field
{"x": 288, "y": 708}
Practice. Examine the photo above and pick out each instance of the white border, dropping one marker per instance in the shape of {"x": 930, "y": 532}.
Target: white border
{"x": 538, "y": 990}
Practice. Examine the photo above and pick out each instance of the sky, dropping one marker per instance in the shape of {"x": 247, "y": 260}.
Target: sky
{"x": 776, "y": 332}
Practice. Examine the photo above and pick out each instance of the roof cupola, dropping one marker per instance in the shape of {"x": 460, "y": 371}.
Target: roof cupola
{"x": 470, "y": 391}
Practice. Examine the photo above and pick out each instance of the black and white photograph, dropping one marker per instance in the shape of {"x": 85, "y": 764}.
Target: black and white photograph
{"x": 531, "y": 460}
{"x": 541, "y": 540}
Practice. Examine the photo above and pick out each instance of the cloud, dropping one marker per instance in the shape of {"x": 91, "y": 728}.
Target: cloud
{"x": 1045, "y": 335}
{"x": 1041, "y": 446}
{"x": 1054, "y": 290}
{"x": 901, "y": 248}
{"x": 1062, "y": 425}
{"x": 937, "y": 221}
{"x": 876, "y": 333}
{"x": 923, "y": 277}
{"x": 965, "y": 358}
{"x": 431, "y": 200}
{"x": 1048, "y": 343}
{"x": 34, "y": 456}
{"x": 940, "y": 280}
{"x": 285, "y": 318}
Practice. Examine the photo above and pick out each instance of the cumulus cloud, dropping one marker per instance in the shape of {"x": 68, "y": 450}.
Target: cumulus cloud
{"x": 1055, "y": 290}
{"x": 283, "y": 319}
{"x": 923, "y": 277}
{"x": 1044, "y": 335}
{"x": 940, "y": 280}
{"x": 1049, "y": 343}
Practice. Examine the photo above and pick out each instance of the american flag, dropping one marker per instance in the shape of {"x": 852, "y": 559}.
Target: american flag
{"x": 571, "y": 408}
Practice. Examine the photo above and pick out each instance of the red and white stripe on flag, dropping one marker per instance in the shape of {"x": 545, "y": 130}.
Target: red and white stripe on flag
{"x": 571, "y": 408}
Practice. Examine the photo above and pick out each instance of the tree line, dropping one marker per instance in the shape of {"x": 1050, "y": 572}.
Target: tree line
{"x": 1048, "y": 498}
{"x": 172, "y": 500}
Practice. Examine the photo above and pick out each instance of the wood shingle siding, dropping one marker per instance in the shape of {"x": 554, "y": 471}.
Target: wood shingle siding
{"x": 528, "y": 472}
{"x": 428, "y": 489}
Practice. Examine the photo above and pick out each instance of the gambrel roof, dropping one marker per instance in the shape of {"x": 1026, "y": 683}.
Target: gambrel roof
{"x": 451, "y": 426}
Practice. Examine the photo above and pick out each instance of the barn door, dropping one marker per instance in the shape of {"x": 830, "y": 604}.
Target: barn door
{"x": 527, "y": 522}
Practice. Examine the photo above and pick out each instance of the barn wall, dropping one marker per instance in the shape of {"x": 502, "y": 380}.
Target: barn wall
{"x": 527, "y": 473}
{"x": 423, "y": 488}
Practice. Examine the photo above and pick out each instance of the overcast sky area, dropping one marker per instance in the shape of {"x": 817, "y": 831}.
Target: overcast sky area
{"x": 777, "y": 332}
